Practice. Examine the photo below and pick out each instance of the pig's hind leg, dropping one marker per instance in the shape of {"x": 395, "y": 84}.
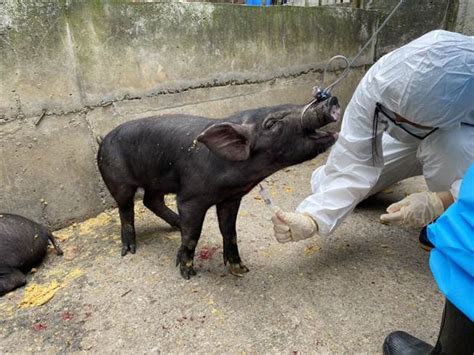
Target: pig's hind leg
{"x": 227, "y": 216}
{"x": 10, "y": 279}
{"x": 55, "y": 244}
{"x": 154, "y": 200}
{"x": 124, "y": 195}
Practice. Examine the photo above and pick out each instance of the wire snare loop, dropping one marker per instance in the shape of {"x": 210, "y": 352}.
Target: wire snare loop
{"x": 324, "y": 94}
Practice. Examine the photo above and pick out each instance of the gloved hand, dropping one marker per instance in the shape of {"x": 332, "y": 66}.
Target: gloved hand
{"x": 292, "y": 227}
{"x": 415, "y": 210}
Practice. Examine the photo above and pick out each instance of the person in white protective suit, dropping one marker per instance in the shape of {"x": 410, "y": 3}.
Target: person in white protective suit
{"x": 411, "y": 114}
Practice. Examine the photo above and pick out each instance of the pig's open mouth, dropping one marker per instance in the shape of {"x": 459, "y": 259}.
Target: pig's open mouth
{"x": 323, "y": 135}
{"x": 335, "y": 112}
{"x": 334, "y": 109}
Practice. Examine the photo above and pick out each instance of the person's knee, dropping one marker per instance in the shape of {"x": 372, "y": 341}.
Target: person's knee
{"x": 446, "y": 156}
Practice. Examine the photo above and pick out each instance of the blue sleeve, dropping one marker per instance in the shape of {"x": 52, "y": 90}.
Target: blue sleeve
{"x": 452, "y": 259}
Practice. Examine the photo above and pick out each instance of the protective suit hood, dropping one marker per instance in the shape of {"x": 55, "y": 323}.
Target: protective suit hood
{"x": 429, "y": 81}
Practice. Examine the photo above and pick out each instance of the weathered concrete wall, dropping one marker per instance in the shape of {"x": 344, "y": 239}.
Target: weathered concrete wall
{"x": 64, "y": 58}
{"x": 465, "y": 17}
{"x": 413, "y": 19}
{"x": 71, "y": 71}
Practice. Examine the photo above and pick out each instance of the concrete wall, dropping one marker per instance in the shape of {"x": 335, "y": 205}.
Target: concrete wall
{"x": 71, "y": 71}
{"x": 64, "y": 58}
{"x": 413, "y": 19}
{"x": 465, "y": 17}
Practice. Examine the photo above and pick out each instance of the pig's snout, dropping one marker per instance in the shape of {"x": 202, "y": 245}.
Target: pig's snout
{"x": 321, "y": 114}
{"x": 333, "y": 108}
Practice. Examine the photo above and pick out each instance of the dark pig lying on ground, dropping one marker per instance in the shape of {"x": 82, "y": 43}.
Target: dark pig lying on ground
{"x": 23, "y": 244}
{"x": 165, "y": 155}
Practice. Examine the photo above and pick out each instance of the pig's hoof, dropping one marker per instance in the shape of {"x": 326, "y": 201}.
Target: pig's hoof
{"x": 187, "y": 271}
{"x": 124, "y": 250}
{"x": 238, "y": 269}
{"x": 128, "y": 248}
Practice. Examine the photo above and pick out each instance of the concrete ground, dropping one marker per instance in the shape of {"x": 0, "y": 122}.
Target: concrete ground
{"x": 341, "y": 294}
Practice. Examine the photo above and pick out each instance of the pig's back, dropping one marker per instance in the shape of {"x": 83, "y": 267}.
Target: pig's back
{"x": 23, "y": 243}
{"x": 151, "y": 152}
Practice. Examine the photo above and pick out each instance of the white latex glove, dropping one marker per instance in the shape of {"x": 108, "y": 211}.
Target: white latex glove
{"x": 292, "y": 227}
{"x": 415, "y": 210}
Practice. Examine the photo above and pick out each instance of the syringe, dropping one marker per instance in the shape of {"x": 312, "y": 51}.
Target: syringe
{"x": 266, "y": 198}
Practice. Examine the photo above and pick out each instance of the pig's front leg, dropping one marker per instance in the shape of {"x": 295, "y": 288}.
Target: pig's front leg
{"x": 227, "y": 215}
{"x": 192, "y": 215}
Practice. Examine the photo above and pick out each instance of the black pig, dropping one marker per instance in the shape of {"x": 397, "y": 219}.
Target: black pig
{"x": 162, "y": 155}
{"x": 23, "y": 244}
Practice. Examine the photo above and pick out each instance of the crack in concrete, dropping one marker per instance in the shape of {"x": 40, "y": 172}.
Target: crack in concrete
{"x": 211, "y": 83}
{"x": 94, "y": 146}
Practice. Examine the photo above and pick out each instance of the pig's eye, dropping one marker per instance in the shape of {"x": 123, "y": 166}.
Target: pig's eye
{"x": 269, "y": 123}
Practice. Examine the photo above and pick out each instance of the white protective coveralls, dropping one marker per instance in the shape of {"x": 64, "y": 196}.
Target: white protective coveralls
{"x": 430, "y": 82}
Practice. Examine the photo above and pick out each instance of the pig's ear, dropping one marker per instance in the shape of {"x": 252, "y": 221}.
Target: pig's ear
{"x": 228, "y": 140}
